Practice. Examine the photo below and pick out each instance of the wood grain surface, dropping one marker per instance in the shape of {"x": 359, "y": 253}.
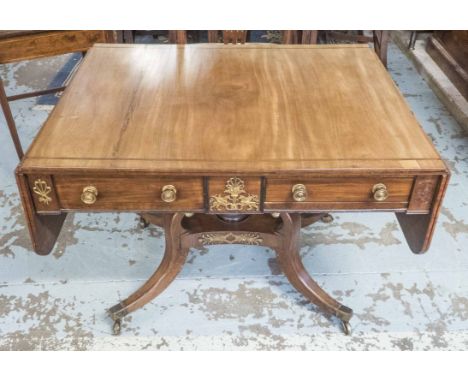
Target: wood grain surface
{"x": 130, "y": 194}
{"x": 213, "y": 108}
{"x": 339, "y": 189}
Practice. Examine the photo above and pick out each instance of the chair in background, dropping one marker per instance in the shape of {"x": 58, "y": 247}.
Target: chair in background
{"x": 178, "y": 37}
{"x": 228, "y": 36}
{"x": 181, "y": 36}
{"x": 300, "y": 37}
{"x": 173, "y": 37}
{"x": 379, "y": 38}
{"x": 26, "y": 45}
{"x": 414, "y": 36}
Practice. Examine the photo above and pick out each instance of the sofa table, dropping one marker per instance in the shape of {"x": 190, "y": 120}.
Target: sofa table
{"x": 231, "y": 145}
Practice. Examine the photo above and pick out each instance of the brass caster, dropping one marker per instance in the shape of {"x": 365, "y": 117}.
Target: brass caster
{"x": 327, "y": 218}
{"x": 346, "y": 327}
{"x": 117, "y": 327}
{"x": 143, "y": 222}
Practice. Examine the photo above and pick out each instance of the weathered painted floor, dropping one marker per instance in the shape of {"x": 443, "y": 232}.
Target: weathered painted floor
{"x": 233, "y": 297}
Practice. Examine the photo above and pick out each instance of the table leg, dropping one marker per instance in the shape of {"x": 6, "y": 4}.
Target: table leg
{"x": 310, "y": 218}
{"x": 173, "y": 260}
{"x": 151, "y": 218}
{"x": 291, "y": 265}
{"x": 143, "y": 223}
{"x": 327, "y": 218}
{"x": 281, "y": 234}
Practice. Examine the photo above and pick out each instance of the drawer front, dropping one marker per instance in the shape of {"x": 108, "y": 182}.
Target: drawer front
{"x": 234, "y": 194}
{"x": 338, "y": 193}
{"x": 129, "y": 194}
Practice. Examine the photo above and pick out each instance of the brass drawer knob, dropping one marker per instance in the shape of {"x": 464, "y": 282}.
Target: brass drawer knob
{"x": 299, "y": 192}
{"x": 380, "y": 192}
{"x": 89, "y": 195}
{"x": 168, "y": 193}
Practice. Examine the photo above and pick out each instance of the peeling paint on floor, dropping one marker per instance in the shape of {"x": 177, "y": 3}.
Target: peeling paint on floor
{"x": 234, "y": 297}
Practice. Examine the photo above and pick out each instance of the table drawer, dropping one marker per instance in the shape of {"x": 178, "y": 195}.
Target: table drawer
{"x": 338, "y": 193}
{"x": 129, "y": 194}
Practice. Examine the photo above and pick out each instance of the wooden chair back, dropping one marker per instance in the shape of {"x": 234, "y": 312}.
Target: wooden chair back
{"x": 379, "y": 38}
{"x": 228, "y": 36}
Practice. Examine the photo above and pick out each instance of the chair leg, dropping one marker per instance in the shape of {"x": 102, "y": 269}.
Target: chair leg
{"x": 128, "y": 37}
{"x": 290, "y": 37}
{"x": 381, "y": 45}
{"x": 309, "y": 37}
{"x": 178, "y": 37}
{"x": 234, "y": 36}
{"x": 412, "y": 40}
{"x": 213, "y": 36}
{"x": 300, "y": 37}
{"x": 10, "y": 121}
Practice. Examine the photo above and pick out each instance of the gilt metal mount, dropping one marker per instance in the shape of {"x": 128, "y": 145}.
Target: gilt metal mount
{"x": 248, "y": 238}
{"x": 42, "y": 189}
{"x": 234, "y": 198}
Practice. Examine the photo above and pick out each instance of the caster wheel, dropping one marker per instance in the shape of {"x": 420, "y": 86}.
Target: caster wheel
{"x": 346, "y": 327}
{"x": 327, "y": 218}
{"x": 117, "y": 327}
{"x": 143, "y": 223}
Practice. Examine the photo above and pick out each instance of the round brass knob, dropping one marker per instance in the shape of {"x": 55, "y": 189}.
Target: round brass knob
{"x": 299, "y": 192}
{"x": 380, "y": 192}
{"x": 89, "y": 195}
{"x": 168, "y": 193}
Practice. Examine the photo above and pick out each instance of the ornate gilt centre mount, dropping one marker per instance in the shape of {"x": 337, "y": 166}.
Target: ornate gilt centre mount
{"x": 42, "y": 189}
{"x": 248, "y": 238}
{"x": 235, "y": 198}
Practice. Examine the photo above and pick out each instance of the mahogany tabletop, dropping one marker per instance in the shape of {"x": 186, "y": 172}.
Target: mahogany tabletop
{"x": 253, "y": 108}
